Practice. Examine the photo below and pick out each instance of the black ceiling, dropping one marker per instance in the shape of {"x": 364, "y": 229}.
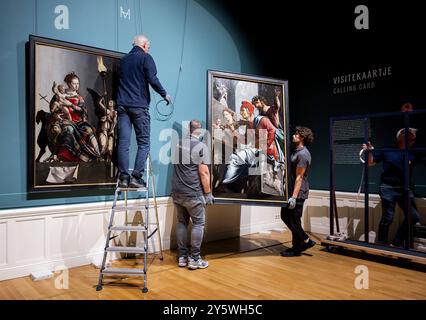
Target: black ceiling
{"x": 323, "y": 31}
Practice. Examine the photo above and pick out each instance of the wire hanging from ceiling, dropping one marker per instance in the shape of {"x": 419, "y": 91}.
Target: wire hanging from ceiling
{"x": 159, "y": 115}
{"x": 36, "y": 17}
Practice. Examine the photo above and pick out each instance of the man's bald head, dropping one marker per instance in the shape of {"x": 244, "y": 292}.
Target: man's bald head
{"x": 142, "y": 41}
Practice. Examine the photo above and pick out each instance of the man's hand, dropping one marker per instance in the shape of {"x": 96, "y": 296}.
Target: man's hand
{"x": 291, "y": 203}
{"x": 209, "y": 198}
{"x": 168, "y": 100}
{"x": 367, "y": 146}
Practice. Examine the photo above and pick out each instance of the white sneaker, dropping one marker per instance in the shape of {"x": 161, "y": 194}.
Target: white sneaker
{"x": 183, "y": 262}
{"x": 197, "y": 264}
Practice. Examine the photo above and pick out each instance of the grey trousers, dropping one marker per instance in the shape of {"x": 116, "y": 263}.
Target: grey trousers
{"x": 189, "y": 207}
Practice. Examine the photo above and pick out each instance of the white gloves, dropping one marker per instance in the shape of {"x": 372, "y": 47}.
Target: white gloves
{"x": 291, "y": 203}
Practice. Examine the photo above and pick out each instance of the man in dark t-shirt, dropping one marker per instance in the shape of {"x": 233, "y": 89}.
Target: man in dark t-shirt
{"x": 392, "y": 185}
{"x": 191, "y": 192}
{"x": 292, "y": 214}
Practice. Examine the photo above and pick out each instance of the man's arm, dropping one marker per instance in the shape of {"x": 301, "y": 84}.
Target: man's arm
{"x": 203, "y": 171}
{"x": 368, "y": 148}
{"x": 300, "y": 173}
{"x": 371, "y": 159}
{"x": 150, "y": 71}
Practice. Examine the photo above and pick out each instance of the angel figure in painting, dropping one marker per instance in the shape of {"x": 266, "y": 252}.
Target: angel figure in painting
{"x": 107, "y": 123}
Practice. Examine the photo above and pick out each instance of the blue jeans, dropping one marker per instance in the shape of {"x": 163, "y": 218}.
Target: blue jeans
{"x": 391, "y": 196}
{"x": 194, "y": 208}
{"x": 140, "y": 119}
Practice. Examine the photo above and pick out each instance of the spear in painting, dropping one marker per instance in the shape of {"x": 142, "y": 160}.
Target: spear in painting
{"x": 103, "y": 71}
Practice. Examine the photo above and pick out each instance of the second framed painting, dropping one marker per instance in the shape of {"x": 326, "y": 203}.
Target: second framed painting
{"x": 247, "y": 117}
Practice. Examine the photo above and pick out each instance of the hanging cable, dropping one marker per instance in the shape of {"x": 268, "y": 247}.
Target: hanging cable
{"x": 116, "y": 25}
{"x": 140, "y": 15}
{"x": 135, "y": 17}
{"x": 161, "y": 116}
{"x": 35, "y": 18}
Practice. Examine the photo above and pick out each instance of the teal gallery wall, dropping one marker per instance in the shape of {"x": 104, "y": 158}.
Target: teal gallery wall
{"x": 186, "y": 41}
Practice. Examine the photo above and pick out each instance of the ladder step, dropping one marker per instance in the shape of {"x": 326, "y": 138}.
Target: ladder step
{"x": 133, "y": 189}
{"x": 126, "y": 249}
{"x": 128, "y": 228}
{"x": 126, "y": 271}
{"x": 129, "y": 208}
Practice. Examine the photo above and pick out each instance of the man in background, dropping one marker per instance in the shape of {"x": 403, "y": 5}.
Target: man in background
{"x": 392, "y": 184}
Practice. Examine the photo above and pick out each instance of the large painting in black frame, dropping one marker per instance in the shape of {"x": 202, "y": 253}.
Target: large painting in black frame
{"x": 250, "y": 145}
{"x": 71, "y": 115}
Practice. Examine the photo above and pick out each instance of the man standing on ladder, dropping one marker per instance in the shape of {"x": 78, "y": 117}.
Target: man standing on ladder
{"x": 191, "y": 192}
{"x": 137, "y": 72}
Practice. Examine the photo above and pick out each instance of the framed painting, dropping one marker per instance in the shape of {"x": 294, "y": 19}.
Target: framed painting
{"x": 72, "y": 116}
{"x": 248, "y": 121}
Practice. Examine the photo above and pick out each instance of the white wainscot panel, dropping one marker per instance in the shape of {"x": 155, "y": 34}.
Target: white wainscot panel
{"x": 93, "y": 231}
{"x": 3, "y": 243}
{"x": 63, "y": 236}
{"x": 30, "y": 240}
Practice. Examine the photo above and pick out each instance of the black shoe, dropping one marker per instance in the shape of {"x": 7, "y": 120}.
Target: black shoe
{"x": 137, "y": 183}
{"x": 290, "y": 253}
{"x": 397, "y": 243}
{"x": 382, "y": 243}
{"x": 123, "y": 182}
{"x": 308, "y": 245}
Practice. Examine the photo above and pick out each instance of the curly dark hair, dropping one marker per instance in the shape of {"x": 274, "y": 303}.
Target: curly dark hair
{"x": 68, "y": 78}
{"x": 258, "y": 98}
{"x": 306, "y": 134}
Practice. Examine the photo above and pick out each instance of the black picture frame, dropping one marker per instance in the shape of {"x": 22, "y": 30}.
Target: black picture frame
{"x": 263, "y": 86}
{"x": 51, "y": 60}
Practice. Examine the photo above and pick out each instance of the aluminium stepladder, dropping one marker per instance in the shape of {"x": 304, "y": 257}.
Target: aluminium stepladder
{"x": 143, "y": 228}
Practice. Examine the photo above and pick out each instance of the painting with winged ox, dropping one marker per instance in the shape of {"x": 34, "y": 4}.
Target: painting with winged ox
{"x": 73, "y": 118}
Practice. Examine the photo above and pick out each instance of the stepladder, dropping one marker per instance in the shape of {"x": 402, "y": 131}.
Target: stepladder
{"x": 140, "y": 203}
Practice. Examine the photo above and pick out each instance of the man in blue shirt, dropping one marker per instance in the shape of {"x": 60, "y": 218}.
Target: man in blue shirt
{"x": 392, "y": 185}
{"x": 137, "y": 72}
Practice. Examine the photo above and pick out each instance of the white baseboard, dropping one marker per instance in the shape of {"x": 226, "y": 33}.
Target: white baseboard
{"x": 25, "y": 270}
{"x": 40, "y": 238}
{"x": 45, "y": 238}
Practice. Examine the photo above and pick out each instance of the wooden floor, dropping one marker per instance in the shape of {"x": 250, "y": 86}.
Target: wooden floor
{"x": 248, "y": 267}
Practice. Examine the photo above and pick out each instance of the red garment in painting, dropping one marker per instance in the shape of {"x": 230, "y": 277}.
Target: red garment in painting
{"x": 266, "y": 124}
{"x": 66, "y": 155}
{"x": 75, "y": 115}
{"x": 272, "y": 114}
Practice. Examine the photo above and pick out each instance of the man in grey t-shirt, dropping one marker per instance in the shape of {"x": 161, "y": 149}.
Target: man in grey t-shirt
{"x": 191, "y": 192}
{"x": 292, "y": 215}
